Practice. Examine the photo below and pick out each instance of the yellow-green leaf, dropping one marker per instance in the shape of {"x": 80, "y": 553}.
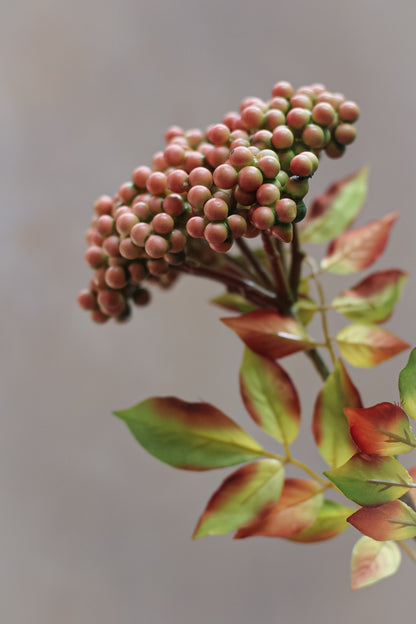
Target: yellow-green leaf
{"x": 330, "y": 426}
{"x": 365, "y": 345}
{"x": 373, "y": 299}
{"x": 371, "y": 479}
{"x": 333, "y": 211}
{"x": 331, "y": 521}
{"x": 407, "y": 386}
{"x": 192, "y": 436}
{"x": 270, "y": 397}
{"x": 244, "y": 494}
{"x": 372, "y": 561}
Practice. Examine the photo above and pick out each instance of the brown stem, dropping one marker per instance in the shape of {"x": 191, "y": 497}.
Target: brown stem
{"x": 296, "y": 264}
{"x": 253, "y": 261}
{"x": 284, "y": 298}
{"x": 250, "y": 291}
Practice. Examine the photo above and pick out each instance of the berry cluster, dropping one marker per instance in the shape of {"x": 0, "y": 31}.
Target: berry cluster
{"x": 243, "y": 176}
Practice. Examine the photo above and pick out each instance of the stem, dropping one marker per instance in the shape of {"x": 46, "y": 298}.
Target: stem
{"x": 253, "y": 261}
{"x": 322, "y": 310}
{"x": 318, "y": 362}
{"x": 296, "y": 265}
{"x": 409, "y": 551}
{"x": 248, "y": 289}
{"x": 289, "y": 460}
{"x": 284, "y": 295}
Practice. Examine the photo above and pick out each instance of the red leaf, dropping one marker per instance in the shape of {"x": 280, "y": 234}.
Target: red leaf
{"x": 357, "y": 249}
{"x": 382, "y": 429}
{"x": 268, "y": 333}
{"x": 392, "y": 521}
{"x": 296, "y": 510}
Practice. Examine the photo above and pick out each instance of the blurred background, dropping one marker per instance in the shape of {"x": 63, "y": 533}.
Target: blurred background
{"x": 92, "y": 529}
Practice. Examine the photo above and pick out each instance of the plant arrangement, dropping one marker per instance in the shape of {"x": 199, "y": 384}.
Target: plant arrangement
{"x": 192, "y": 212}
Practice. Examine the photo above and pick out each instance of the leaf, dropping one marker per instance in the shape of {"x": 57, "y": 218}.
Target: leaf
{"x": 241, "y": 497}
{"x": 371, "y": 479}
{"x": 372, "y": 561}
{"x": 270, "y": 397}
{"x": 268, "y": 333}
{"x": 296, "y": 510}
{"x": 331, "y": 521}
{"x": 392, "y": 521}
{"x": 305, "y": 309}
{"x": 234, "y": 302}
{"x": 191, "y": 436}
{"x": 333, "y": 211}
{"x": 373, "y": 299}
{"x": 407, "y": 386}
{"x": 382, "y": 429}
{"x": 365, "y": 345}
{"x": 330, "y": 426}
{"x": 411, "y": 495}
{"x": 357, "y": 249}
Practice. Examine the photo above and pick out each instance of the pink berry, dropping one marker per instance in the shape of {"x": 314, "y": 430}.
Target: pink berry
{"x": 156, "y": 183}
{"x": 216, "y": 233}
{"x": 267, "y": 195}
{"x": 174, "y": 155}
{"x": 282, "y": 138}
{"x": 128, "y": 250}
{"x": 218, "y": 134}
{"x": 262, "y": 217}
{"x": 197, "y": 197}
{"x": 87, "y": 300}
{"x": 115, "y": 277}
{"x": 139, "y": 233}
{"x": 140, "y": 175}
{"x": 156, "y": 246}
{"x": 103, "y": 205}
{"x": 282, "y": 89}
{"x": 195, "y": 227}
{"x": 94, "y": 256}
{"x": 250, "y": 178}
{"x": 216, "y": 209}
{"x": 237, "y": 225}
{"x": 125, "y": 223}
{"x": 173, "y": 204}
{"x": 225, "y": 176}
{"x": 163, "y": 223}
{"x": 201, "y": 176}
{"x": 298, "y": 118}
{"x": 177, "y": 181}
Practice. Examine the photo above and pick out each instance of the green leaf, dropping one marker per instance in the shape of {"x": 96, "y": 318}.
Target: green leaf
{"x": 270, "y": 397}
{"x": 234, "y": 302}
{"x": 373, "y": 299}
{"x": 365, "y": 345}
{"x": 392, "y": 521}
{"x": 305, "y": 309}
{"x": 372, "y": 561}
{"x": 332, "y": 212}
{"x": 191, "y": 436}
{"x": 382, "y": 429}
{"x": 330, "y": 426}
{"x": 244, "y": 494}
{"x": 357, "y": 249}
{"x": 296, "y": 510}
{"x": 331, "y": 521}
{"x": 407, "y": 386}
{"x": 371, "y": 479}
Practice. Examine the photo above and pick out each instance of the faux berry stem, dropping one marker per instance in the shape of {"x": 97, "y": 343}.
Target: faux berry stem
{"x": 284, "y": 298}
{"x": 296, "y": 264}
{"x": 251, "y": 258}
{"x": 250, "y": 291}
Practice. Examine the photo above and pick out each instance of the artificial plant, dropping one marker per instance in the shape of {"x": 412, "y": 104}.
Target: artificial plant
{"x": 192, "y": 212}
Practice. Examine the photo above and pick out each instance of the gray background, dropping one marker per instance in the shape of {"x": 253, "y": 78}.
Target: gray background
{"x": 91, "y": 528}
